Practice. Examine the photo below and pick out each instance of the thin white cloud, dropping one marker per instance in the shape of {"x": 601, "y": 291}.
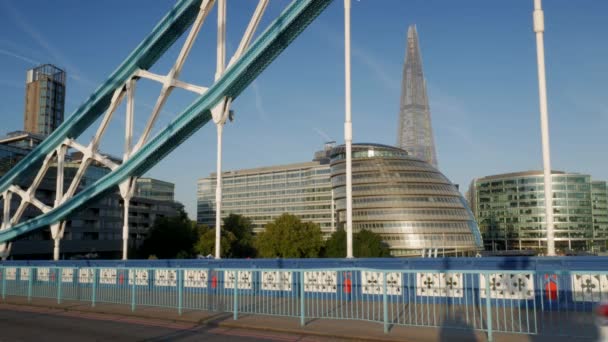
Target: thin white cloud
{"x": 259, "y": 103}
{"x": 322, "y": 134}
{"x": 73, "y": 71}
{"x": 19, "y": 56}
{"x": 376, "y": 65}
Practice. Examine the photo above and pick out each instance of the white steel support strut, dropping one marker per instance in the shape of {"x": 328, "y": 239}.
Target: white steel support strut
{"x": 221, "y": 111}
{"x": 348, "y": 133}
{"x": 58, "y": 228}
{"x": 219, "y": 118}
{"x": 539, "y": 28}
{"x": 126, "y": 188}
{"x": 5, "y": 248}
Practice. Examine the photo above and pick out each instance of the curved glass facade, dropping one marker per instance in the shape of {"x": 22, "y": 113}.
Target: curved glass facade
{"x": 412, "y": 205}
{"x": 510, "y": 209}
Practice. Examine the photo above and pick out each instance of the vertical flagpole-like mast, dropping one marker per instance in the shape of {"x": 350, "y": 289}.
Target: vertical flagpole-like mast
{"x": 539, "y": 28}
{"x": 221, "y": 63}
{"x": 348, "y": 133}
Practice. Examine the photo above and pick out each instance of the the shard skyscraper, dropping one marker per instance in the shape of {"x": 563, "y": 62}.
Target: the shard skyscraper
{"x": 415, "y": 131}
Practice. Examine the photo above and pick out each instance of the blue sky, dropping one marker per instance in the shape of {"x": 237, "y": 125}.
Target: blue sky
{"x": 479, "y": 60}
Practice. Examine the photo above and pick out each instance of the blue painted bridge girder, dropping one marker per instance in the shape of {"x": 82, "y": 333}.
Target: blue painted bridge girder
{"x": 280, "y": 33}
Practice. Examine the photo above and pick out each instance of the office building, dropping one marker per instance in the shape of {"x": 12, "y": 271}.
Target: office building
{"x": 405, "y": 200}
{"x": 94, "y": 230}
{"x": 263, "y": 194}
{"x": 415, "y": 133}
{"x": 599, "y": 209}
{"x": 44, "y": 99}
{"x": 510, "y": 211}
{"x": 154, "y": 189}
{"x": 412, "y": 205}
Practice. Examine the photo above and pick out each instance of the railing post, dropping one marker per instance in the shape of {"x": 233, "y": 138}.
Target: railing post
{"x": 58, "y": 270}
{"x": 236, "y": 295}
{"x": 385, "y": 302}
{"x": 488, "y": 308}
{"x": 302, "y": 298}
{"x": 3, "y": 283}
{"x": 180, "y": 291}
{"x": 94, "y": 288}
{"x": 133, "y": 292}
{"x": 29, "y": 284}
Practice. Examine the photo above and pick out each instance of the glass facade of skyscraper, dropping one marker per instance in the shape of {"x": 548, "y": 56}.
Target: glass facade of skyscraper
{"x": 154, "y": 189}
{"x": 406, "y": 200}
{"x": 599, "y": 207}
{"x": 510, "y": 210}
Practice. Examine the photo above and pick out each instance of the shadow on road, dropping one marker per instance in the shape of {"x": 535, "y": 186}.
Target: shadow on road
{"x": 455, "y": 328}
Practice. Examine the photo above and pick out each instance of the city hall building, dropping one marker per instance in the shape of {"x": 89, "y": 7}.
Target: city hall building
{"x": 407, "y": 201}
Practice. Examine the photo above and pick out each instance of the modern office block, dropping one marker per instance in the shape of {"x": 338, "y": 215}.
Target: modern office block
{"x": 154, "y": 189}
{"x": 510, "y": 210}
{"x": 96, "y": 229}
{"x": 263, "y": 194}
{"x": 599, "y": 210}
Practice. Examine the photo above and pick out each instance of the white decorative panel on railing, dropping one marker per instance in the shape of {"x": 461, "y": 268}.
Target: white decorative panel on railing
{"x": 24, "y": 274}
{"x": 107, "y": 276}
{"x": 140, "y": 276}
{"x": 245, "y": 280}
{"x": 439, "y": 285}
{"x": 42, "y": 274}
{"x": 276, "y": 280}
{"x": 321, "y": 281}
{"x": 589, "y": 287}
{"x": 11, "y": 273}
{"x": 373, "y": 283}
{"x": 195, "y": 278}
{"x": 508, "y": 286}
{"x": 86, "y": 275}
{"x": 67, "y": 275}
{"x": 165, "y": 278}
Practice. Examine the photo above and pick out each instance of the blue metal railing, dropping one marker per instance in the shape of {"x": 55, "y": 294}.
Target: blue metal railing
{"x": 506, "y": 301}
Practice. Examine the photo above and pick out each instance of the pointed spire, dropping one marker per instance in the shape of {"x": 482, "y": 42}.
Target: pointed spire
{"x": 415, "y": 131}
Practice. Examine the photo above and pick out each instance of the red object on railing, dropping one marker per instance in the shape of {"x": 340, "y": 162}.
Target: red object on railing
{"x": 214, "y": 282}
{"x": 348, "y": 286}
{"x": 602, "y": 310}
{"x": 121, "y": 278}
{"x": 551, "y": 286}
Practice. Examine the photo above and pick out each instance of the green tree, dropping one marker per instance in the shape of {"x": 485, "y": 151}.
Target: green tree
{"x": 236, "y": 240}
{"x": 335, "y": 246}
{"x": 206, "y": 243}
{"x": 366, "y": 244}
{"x": 170, "y": 237}
{"x": 241, "y": 227}
{"x": 288, "y": 237}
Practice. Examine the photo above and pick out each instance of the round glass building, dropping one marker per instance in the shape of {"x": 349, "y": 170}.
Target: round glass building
{"x": 510, "y": 209}
{"x": 412, "y": 205}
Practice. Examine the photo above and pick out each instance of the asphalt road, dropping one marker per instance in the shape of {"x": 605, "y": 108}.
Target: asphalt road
{"x": 39, "y": 324}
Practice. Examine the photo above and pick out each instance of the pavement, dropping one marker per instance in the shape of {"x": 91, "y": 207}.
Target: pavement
{"x": 287, "y": 327}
